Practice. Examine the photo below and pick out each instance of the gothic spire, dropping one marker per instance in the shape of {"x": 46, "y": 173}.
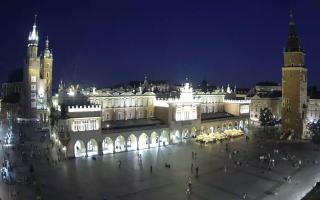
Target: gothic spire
{"x": 293, "y": 43}
{"x": 47, "y": 43}
{"x": 33, "y": 35}
{"x": 47, "y": 52}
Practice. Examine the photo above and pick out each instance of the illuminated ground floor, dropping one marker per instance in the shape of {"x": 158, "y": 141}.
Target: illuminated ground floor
{"x": 96, "y": 143}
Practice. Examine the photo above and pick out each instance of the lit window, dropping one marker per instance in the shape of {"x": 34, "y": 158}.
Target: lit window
{"x": 33, "y": 79}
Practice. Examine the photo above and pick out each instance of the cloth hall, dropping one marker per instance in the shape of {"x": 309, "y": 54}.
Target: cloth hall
{"x": 96, "y": 122}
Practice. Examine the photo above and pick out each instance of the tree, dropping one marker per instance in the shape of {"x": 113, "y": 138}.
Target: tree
{"x": 266, "y": 118}
{"x": 314, "y": 129}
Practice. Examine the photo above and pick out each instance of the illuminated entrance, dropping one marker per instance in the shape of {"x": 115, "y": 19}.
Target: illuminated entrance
{"x": 143, "y": 141}
{"x": 79, "y": 149}
{"x": 107, "y": 145}
{"x": 164, "y": 138}
{"x": 92, "y": 147}
{"x": 120, "y": 144}
{"x": 132, "y": 143}
{"x": 154, "y": 140}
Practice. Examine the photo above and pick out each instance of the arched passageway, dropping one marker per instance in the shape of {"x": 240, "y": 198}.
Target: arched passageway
{"x": 175, "y": 137}
{"x": 92, "y": 147}
{"x": 143, "y": 141}
{"x": 241, "y": 125}
{"x": 154, "y": 140}
{"x": 236, "y": 125}
{"x": 186, "y": 134}
{"x": 79, "y": 148}
{"x": 224, "y": 127}
{"x": 164, "y": 138}
{"x": 132, "y": 143}
{"x": 230, "y": 125}
{"x": 120, "y": 144}
{"x": 107, "y": 145}
{"x": 194, "y": 132}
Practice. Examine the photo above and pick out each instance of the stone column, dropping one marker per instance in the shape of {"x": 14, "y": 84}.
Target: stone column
{"x": 100, "y": 150}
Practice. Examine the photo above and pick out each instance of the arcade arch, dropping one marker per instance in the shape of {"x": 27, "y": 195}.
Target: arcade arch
{"x": 107, "y": 145}
{"x": 120, "y": 144}
{"x": 132, "y": 143}
{"x": 143, "y": 141}
{"x": 154, "y": 139}
{"x": 79, "y": 148}
{"x": 92, "y": 147}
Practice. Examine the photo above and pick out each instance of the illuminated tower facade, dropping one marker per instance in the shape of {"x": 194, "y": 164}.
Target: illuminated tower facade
{"x": 46, "y": 70}
{"x": 294, "y": 85}
{"x": 37, "y": 79}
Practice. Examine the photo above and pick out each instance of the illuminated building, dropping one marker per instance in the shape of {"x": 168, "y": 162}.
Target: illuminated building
{"x": 37, "y": 79}
{"x": 91, "y": 121}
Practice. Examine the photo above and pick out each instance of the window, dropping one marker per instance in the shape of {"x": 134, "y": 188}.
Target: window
{"x": 33, "y": 95}
{"x": 178, "y": 117}
{"x": 33, "y": 87}
{"x": 33, "y": 104}
{"x": 33, "y": 79}
{"x": 84, "y": 125}
{"x": 47, "y": 75}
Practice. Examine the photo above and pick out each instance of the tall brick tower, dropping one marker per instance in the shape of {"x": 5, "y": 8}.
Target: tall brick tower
{"x": 46, "y": 70}
{"x": 37, "y": 79}
{"x": 31, "y": 74}
{"x": 294, "y": 85}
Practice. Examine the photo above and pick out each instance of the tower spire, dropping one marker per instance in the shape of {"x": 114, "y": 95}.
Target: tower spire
{"x": 47, "y": 43}
{"x": 33, "y": 35}
{"x": 35, "y": 19}
{"x": 293, "y": 43}
{"x": 47, "y": 52}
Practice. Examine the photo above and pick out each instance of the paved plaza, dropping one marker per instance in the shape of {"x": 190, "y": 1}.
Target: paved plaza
{"x": 218, "y": 178}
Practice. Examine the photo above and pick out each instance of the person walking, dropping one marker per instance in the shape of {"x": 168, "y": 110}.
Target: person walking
{"x": 150, "y": 168}
{"x": 189, "y": 183}
{"x": 191, "y": 168}
{"x": 119, "y": 164}
{"x": 197, "y": 171}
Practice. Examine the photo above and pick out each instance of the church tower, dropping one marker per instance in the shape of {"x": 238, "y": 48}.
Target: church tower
{"x": 31, "y": 74}
{"x": 37, "y": 79}
{"x": 294, "y": 85}
{"x": 46, "y": 70}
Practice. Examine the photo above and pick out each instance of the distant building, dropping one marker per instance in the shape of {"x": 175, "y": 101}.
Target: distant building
{"x": 265, "y": 95}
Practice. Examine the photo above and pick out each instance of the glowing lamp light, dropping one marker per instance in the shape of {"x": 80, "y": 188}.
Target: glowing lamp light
{"x": 41, "y": 92}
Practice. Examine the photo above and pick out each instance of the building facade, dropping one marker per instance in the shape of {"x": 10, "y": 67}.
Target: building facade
{"x": 90, "y": 121}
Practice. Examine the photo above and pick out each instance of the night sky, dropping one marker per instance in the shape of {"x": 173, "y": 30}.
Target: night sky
{"x": 102, "y": 43}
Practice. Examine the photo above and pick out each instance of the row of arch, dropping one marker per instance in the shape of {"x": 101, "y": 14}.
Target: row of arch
{"x": 120, "y": 144}
{"x": 131, "y": 143}
{"x": 242, "y": 124}
{"x": 144, "y": 141}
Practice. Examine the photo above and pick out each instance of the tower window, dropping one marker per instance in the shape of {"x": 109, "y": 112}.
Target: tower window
{"x": 33, "y": 79}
